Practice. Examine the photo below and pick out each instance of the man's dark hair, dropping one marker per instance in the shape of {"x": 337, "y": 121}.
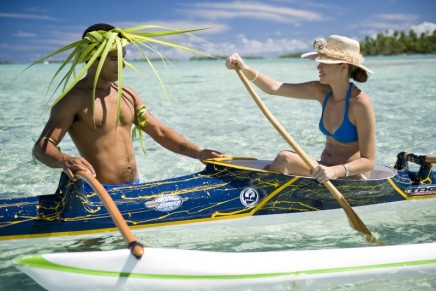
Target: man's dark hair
{"x": 98, "y": 26}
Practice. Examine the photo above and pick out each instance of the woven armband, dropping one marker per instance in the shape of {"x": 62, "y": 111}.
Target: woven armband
{"x": 140, "y": 116}
{"x": 49, "y": 139}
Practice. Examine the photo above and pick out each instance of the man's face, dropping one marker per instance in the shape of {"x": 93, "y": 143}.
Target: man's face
{"x": 110, "y": 66}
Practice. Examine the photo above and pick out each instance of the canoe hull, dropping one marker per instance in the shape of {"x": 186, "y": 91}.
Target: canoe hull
{"x": 224, "y": 190}
{"x": 172, "y": 269}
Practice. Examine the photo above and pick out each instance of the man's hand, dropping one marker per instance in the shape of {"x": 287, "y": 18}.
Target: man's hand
{"x": 205, "y": 154}
{"x": 73, "y": 164}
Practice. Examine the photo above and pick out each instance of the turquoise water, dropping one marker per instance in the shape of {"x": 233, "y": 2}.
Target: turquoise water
{"x": 209, "y": 105}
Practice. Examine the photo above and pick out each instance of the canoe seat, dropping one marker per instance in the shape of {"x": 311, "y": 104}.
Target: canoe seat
{"x": 382, "y": 172}
{"x": 377, "y": 173}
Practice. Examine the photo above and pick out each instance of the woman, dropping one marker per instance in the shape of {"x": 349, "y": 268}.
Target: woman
{"x": 347, "y": 118}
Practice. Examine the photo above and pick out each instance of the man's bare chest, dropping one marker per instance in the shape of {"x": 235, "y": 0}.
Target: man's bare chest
{"x": 107, "y": 113}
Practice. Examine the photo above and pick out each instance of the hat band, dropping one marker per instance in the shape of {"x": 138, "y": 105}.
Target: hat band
{"x": 341, "y": 56}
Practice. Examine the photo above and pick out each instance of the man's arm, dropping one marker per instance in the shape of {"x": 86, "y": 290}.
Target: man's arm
{"x": 166, "y": 136}
{"x": 171, "y": 140}
{"x": 46, "y": 148}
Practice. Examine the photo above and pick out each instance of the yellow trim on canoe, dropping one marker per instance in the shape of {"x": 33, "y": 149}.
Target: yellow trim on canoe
{"x": 222, "y": 162}
{"x": 407, "y": 197}
{"x": 398, "y": 189}
{"x": 113, "y": 229}
{"x": 260, "y": 205}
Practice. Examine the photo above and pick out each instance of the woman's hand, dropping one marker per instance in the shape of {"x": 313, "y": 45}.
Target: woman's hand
{"x": 233, "y": 60}
{"x": 323, "y": 173}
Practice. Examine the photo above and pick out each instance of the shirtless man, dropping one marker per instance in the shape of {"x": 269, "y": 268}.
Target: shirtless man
{"x": 347, "y": 120}
{"x": 106, "y": 150}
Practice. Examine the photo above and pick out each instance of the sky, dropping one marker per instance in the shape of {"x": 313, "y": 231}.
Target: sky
{"x": 34, "y": 28}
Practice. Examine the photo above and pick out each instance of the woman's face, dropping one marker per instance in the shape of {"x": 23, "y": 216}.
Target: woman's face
{"x": 330, "y": 73}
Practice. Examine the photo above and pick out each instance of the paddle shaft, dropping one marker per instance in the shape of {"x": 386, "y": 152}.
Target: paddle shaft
{"x": 420, "y": 160}
{"x": 136, "y": 248}
{"x": 353, "y": 218}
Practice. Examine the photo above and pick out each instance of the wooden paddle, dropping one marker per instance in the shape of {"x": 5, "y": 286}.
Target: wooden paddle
{"x": 419, "y": 159}
{"x": 135, "y": 247}
{"x": 430, "y": 160}
{"x": 354, "y": 220}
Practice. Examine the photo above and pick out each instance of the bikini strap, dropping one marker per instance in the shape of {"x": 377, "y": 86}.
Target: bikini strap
{"x": 347, "y": 98}
{"x": 326, "y": 98}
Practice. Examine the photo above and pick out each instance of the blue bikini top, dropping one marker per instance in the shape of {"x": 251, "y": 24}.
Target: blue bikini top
{"x": 347, "y": 132}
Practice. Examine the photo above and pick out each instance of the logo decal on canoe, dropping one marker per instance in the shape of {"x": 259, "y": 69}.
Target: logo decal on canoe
{"x": 249, "y": 197}
{"x": 421, "y": 190}
{"x": 165, "y": 203}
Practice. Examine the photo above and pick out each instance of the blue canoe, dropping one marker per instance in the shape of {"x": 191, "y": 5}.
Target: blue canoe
{"x": 227, "y": 189}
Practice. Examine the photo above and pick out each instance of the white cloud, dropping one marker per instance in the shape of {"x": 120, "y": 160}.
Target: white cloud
{"x": 425, "y": 27}
{"x": 24, "y": 34}
{"x": 212, "y": 27}
{"x": 254, "y": 10}
{"x": 25, "y": 16}
{"x": 397, "y": 17}
{"x": 389, "y": 23}
{"x": 268, "y": 46}
{"x": 383, "y": 22}
{"x": 245, "y": 46}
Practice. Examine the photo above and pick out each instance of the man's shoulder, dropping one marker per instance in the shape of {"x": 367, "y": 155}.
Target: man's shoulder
{"x": 73, "y": 95}
{"x": 130, "y": 93}
{"x": 71, "y": 99}
{"x": 128, "y": 90}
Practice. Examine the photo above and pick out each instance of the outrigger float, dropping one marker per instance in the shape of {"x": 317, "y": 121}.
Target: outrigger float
{"x": 228, "y": 189}
{"x": 175, "y": 269}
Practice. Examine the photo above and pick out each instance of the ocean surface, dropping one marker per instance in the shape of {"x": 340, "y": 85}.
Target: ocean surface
{"x": 209, "y": 105}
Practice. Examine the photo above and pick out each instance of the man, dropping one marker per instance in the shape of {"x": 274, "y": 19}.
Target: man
{"x": 104, "y": 139}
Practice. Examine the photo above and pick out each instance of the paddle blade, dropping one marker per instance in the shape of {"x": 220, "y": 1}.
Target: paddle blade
{"x": 357, "y": 224}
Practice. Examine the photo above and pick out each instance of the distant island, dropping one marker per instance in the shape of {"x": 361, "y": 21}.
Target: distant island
{"x": 398, "y": 43}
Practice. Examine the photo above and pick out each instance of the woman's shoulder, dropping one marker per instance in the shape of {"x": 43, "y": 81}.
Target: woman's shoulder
{"x": 320, "y": 90}
{"x": 309, "y": 90}
{"x": 359, "y": 96}
{"x": 360, "y": 101}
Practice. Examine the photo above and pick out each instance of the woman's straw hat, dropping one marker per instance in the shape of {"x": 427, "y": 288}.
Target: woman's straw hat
{"x": 338, "y": 49}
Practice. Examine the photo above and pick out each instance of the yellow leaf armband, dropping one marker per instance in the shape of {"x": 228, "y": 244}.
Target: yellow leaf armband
{"x": 140, "y": 116}
{"x": 141, "y": 122}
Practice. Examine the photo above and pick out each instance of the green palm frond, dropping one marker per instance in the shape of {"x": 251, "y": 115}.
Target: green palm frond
{"x": 140, "y": 123}
{"x": 97, "y": 44}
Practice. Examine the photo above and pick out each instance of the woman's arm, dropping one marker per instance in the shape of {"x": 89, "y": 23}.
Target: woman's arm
{"x": 313, "y": 90}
